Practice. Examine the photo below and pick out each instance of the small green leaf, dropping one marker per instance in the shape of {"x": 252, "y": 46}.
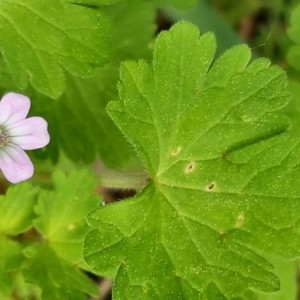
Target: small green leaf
{"x": 223, "y": 161}
{"x": 61, "y": 212}
{"x": 10, "y": 259}
{"x": 16, "y": 209}
{"x": 56, "y": 277}
{"x": 55, "y": 37}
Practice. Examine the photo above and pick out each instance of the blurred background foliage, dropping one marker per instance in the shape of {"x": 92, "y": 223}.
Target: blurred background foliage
{"x": 262, "y": 24}
{"x": 84, "y": 136}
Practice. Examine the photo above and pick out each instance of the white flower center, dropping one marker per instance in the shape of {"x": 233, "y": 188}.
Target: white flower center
{"x": 3, "y": 138}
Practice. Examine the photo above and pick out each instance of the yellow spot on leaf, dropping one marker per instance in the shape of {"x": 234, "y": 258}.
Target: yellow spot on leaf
{"x": 176, "y": 151}
{"x": 190, "y": 167}
{"x": 240, "y": 220}
{"x": 211, "y": 187}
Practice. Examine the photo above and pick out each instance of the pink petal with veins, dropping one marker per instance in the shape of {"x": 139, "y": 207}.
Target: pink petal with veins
{"x": 15, "y": 164}
{"x": 13, "y": 107}
{"x": 30, "y": 133}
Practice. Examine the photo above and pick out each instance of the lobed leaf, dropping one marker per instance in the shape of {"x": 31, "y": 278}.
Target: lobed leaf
{"x": 78, "y": 121}
{"x": 16, "y": 209}
{"x": 56, "y": 277}
{"x": 56, "y": 37}
{"x": 50, "y": 267}
{"x": 61, "y": 212}
{"x": 84, "y": 99}
{"x": 223, "y": 161}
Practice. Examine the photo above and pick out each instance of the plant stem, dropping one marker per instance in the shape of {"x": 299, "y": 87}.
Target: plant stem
{"x": 119, "y": 179}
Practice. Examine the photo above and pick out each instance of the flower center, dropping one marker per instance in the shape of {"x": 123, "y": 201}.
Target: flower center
{"x": 3, "y": 138}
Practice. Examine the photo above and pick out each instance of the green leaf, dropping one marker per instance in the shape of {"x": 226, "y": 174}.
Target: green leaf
{"x": 16, "y": 209}
{"x": 286, "y": 272}
{"x": 56, "y": 36}
{"x": 294, "y": 33}
{"x": 132, "y": 30}
{"x": 56, "y": 277}
{"x": 61, "y": 212}
{"x": 10, "y": 259}
{"x": 79, "y": 117}
{"x": 223, "y": 161}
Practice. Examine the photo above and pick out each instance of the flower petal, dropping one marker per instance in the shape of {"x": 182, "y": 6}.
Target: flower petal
{"x": 13, "y": 107}
{"x": 15, "y": 164}
{"x": 30, "y": 133}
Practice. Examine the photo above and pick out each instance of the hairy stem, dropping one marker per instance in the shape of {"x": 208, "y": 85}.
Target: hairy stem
{"x": 119, "y": 179}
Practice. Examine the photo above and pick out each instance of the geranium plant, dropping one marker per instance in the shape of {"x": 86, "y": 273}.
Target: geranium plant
{"x": 167, "y": 149}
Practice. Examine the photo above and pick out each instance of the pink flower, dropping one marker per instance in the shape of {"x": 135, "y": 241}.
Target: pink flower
{"x": 18, "y": 134}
